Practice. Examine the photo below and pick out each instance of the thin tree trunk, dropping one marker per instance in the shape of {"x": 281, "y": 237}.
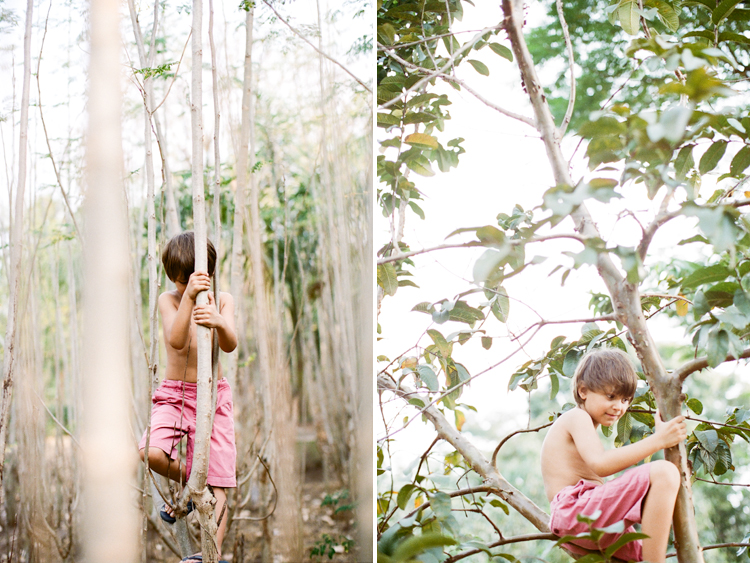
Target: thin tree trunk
{"x": 109, "y": 464}
{"x": 204, "y": 408}
{"x": 625, "y": 296}
{"x": 16, "y": 245}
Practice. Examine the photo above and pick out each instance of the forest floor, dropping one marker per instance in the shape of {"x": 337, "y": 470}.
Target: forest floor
{"x": 328, "y": 521}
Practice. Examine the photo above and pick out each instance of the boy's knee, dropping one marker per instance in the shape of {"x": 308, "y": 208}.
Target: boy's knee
{"x": 155, "y": 455}
{"x": 664, "y": 474}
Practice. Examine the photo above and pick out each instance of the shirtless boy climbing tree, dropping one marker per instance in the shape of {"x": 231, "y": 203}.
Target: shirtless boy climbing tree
{"x": 174, "y": 402}
{"x": 574, "y": 463}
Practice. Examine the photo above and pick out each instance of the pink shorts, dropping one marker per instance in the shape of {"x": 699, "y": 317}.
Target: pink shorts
{"x": 618, "y": 499}
{"x": 170, "y": 422}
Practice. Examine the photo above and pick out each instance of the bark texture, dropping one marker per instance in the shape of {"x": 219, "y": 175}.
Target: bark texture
{"x": 625, "y": 296}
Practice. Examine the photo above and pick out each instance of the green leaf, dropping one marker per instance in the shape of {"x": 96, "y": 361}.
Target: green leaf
{"x": 479, "y": 66}
{"x": 428, "y": 377}
{"x": 414, "y": 545}
{"x": 387, "y": 278}
{"x": 444, "y": 347}
{"x": 441, "y": 505}
{"x": 684, "y": 162}
{"x": 667, "y": 14}
{"x": 709, "y": 439}
{"x": 703, "y": 276}
{"x": 501, "y": 305}
{"x": 570, "y": 363}
{"x": 422, "y": 141}
{"x": 502, "y": 50}
{"x": 404, "y": 494}
{"x": 718, "y": 346}
{"x": 624, "y": 426}
{"x": 695, "y": 405}
{"x": 387, "y": 120}
{"x": 463, "y": 313}
{"x": 621, "y": 541}
{"x": 486, "y": 342}
{"x": 421, "y": 166}
{"x": 723, "y": 10}
{"x": 712, "y": 156}
{"x": 740, "y": 161}
{"x": 554, "y": 385}
{"x": 629, "y": 17}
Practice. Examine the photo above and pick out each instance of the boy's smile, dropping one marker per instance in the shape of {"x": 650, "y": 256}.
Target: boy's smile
{"x": 604, "y": 408}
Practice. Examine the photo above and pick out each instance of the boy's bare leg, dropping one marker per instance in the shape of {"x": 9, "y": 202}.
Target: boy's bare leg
{"x": 221, "y": 500}
{"x": 159, "y": 461}
{"x": 658, "y": 507}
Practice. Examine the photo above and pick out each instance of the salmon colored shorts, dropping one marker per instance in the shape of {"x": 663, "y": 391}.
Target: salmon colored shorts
{"x": 171, "y": 419}
{"x": 618, "y": 499}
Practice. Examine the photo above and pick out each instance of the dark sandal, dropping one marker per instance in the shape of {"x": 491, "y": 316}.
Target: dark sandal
{"x": 171, "y": 519}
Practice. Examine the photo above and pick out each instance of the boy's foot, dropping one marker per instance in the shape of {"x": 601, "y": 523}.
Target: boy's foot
{"x": 198, "y": 557}
{"x": 167, "y": 514}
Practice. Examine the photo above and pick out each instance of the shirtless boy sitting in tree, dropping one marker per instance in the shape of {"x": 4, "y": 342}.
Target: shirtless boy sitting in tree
{"x": 174, "y": 402}
{"x": 574, "y": 463}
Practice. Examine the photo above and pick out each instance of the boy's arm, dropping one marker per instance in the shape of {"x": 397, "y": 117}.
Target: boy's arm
{"x": 176, "y": 319}
{"x": 606, "y": 462}
{"x": 223, "y": 321}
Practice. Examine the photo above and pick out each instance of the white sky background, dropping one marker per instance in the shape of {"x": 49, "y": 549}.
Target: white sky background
{"x": 505, "y": 163}
{"x": 286, "y": 70}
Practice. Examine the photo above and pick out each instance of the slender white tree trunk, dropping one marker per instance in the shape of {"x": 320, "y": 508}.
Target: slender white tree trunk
{"x": 204, "y": 408}
{"x": 109, "y": 463}
{"x": 16, "y": 246}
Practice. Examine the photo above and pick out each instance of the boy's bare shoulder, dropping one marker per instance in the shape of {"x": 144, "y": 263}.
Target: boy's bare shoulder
{"x": 572, "y": 418}
{"x": 169, "y": 298}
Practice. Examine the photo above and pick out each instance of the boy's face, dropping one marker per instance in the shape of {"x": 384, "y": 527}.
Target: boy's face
{"x": 604, "y": 407}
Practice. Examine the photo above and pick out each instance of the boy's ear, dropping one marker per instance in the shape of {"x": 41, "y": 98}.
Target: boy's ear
{"x": 582, "y": 391}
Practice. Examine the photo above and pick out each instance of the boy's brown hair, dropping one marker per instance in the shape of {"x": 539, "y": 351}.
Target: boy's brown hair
{"x": 178, "y": 257}
{"x": 605, "y": 370}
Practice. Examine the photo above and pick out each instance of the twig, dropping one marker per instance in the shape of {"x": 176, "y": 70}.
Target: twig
{"x": 694, "y": 419}
{"x": 479, "y": 511}
{"x": 46, "y": 135}
{"x": 458, "y": 493}
{"x": 334, "y": 61}
{"x": 571, "y": 64}
{"x": 701, "y": 363}
{"x": 174, "y": 78}
{"x": 516, "y": 539}
{"x": 451, "y": 390}
{"x": 411, "y": 253}
{"x": 449, "y": 78}
{"x": 60, "y": 424}
{"x": 715, "y": 546}
{"x": 275, "y": 498}
{"x": 449, "y": 63}
{"x": 509, "y": 436}
{"x": 715, "y": 482}
{"x": 433, "y": 38}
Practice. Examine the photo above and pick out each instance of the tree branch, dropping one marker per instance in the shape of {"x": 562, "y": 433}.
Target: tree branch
{"x": 449, "y": 78}
{"x": 714, "y": 482}
{"x": 471, "y": 243}
{"x": 509, "y": 436}
{"x": 715, "y": 546}
{"x": 571, "y": 63}
{"x": 701, "y": 363}
{"x": 516, "y": 539}
{"x": 452, "y": 494}
{"x": 334, "y": 61}
{"x": 468, "y": 45}
{"x": 492, "y": 478}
